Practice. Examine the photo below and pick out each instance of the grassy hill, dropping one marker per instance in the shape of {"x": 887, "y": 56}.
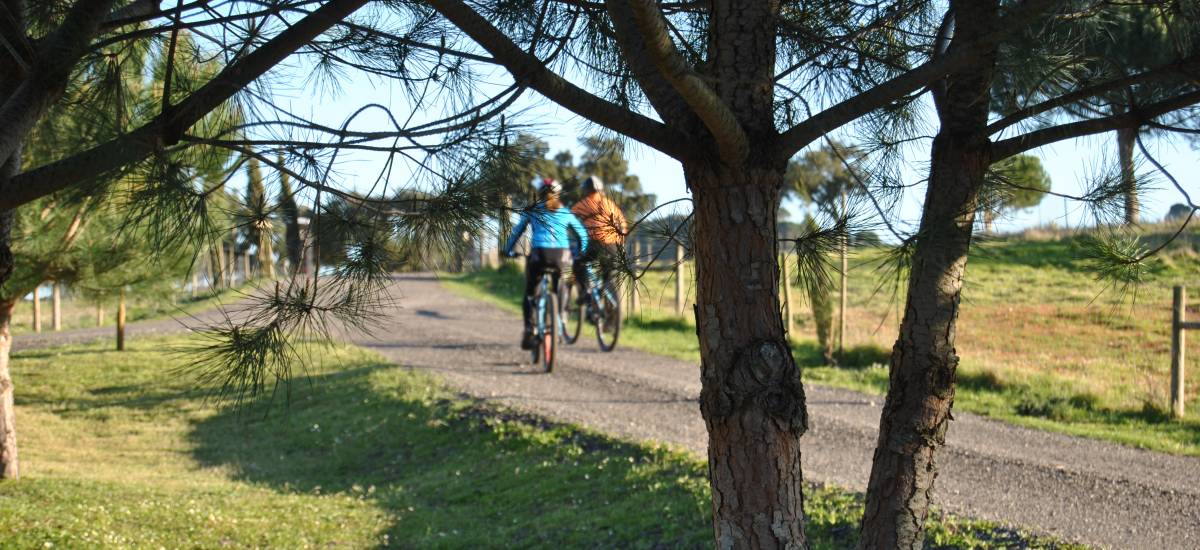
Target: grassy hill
{"x": 1042, "y": 342}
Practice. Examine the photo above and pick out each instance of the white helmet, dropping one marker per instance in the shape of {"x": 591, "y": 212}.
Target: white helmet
{"x": 593, "y": 183}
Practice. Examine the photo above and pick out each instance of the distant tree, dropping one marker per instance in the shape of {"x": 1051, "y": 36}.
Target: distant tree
{"x": 256, "y": 221}
{"x": 510, "y": 173}
{"x": 1178, "y": 213}
{"x": 289, "y": 213}
{"x": 564, "y": 170}
{"x": 821, "y": 177}
{"x": 815, "y": 285}
{"x": 1015, "y": 183}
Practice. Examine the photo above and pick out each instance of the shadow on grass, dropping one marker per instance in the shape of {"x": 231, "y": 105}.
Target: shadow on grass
{"x": 807, "y": 353}
{"x": 661, "y": 323}
{"x": 1046, "y": 400}
{"x": 453, "y": 472}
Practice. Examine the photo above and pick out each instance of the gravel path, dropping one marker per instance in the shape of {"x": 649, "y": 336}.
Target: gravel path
{"x": 1079, "y": 489}
{"x": 1074, "y": 488}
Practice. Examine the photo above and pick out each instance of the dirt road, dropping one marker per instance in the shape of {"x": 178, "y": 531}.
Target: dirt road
{"x": 1078, "y": 489}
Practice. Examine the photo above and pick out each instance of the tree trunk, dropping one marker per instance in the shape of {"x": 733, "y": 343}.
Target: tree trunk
{"x": 916, "y": 412}
{"x": 8, "y": 426}
{"x": 99, "y": 314}
{"x": 751, "y": 398}
{"x": 504, "y": 228}
{"x": 231, "y": 271}
{"x": 266, "y": 255}
{"x": 216, "y": 271}
{"x": 1126, "y": 140}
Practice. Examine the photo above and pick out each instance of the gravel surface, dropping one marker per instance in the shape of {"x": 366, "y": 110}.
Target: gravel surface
{"x": 1078, "y": 489}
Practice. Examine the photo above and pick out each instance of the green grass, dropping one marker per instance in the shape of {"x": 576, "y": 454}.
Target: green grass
{"x": 120, "y": 451}
{"x": 1042, "y": 344}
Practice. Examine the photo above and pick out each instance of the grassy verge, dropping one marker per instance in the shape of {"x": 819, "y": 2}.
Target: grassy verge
{"x": 120, "y": 451}
{"x": 1042, "y": 398}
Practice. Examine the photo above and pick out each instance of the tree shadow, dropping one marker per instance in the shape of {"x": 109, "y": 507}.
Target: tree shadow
{"x": 807, "y": 353}
{"x": 660, "y": 323}
{"x": 453, "y": 472}
{"x": 128, "y": 396}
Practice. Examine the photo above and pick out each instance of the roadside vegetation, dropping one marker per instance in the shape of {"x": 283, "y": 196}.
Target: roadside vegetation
{"x": 1043, "y": 344}
{"x": 121, "y": 450}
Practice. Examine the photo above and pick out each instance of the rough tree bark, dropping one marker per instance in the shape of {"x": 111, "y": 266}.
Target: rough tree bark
{"x": 8, "y": 428}
{"x": 1126, "y": 141}
{"x": 752, "y": 400}
{"x": 916, "y": 412}
{"x": 8, "y": 421}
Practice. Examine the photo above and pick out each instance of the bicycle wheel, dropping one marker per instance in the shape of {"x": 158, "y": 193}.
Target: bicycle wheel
{"x": 572, "y": 313}
{"x": 538, "y": 328}
{"x": 549, "y": 337}
{"x": 608, "y": 326}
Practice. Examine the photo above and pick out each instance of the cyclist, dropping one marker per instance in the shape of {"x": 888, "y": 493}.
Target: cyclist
{"x": 605, "y": 225}
{"x": 551, "y": 246}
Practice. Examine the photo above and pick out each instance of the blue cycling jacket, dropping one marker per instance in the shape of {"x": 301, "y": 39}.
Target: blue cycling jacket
{"x": 550, "y": 229}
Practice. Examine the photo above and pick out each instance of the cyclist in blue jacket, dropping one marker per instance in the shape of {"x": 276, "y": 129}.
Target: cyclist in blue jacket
{"x": 551, "y": 224}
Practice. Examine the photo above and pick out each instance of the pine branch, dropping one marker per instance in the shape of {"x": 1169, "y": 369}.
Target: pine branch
{"x": 1132, "y": 119}
{"x": 528, "y": 70}
{"x": 732, "y": 143}
{"x": 171, "y": 125}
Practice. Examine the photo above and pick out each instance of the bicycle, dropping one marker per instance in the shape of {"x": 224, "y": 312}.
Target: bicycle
{"x": 547, "y": 323}
{"x": 602, "y": 309}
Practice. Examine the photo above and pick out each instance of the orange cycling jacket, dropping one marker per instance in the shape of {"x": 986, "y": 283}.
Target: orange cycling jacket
{"x": 602, "y": 217}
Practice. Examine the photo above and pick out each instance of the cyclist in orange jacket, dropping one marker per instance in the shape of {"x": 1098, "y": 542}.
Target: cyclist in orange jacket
{"x": 606, "y": 230}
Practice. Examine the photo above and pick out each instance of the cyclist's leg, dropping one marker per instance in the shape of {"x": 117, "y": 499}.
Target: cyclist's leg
{"x": 580, "y": 269}
{"x": 559, "y": 259}
{"x": 533, "y": 275}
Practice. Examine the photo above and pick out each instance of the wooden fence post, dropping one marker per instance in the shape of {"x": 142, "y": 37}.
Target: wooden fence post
{"x": 679, "y": 278}
{"x": 37, "y": 309}
{"x": 1178, "y": 320}
{"x": 635, "y": 303}
{"x": 786, "y": 282}
{"x": 56, "y": 306}
{"x": 121, "y": 321}
{"x": 845, "y": 280}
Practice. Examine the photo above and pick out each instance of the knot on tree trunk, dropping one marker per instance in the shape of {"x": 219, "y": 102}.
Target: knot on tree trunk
{"x": 761, "y": 376}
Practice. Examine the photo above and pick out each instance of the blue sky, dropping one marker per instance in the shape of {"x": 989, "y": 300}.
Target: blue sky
{"x": 1068, "y": 163}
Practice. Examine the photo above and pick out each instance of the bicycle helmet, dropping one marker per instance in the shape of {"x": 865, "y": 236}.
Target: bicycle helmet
{"x": 593, "y": 183}
{"x": 550, "y": 187}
